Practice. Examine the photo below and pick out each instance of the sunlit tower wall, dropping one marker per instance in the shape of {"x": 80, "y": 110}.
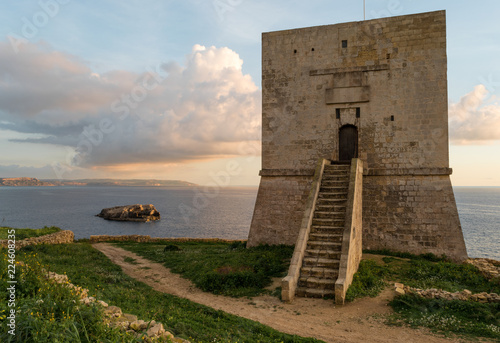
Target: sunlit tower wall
{"x": 385, "y": 79}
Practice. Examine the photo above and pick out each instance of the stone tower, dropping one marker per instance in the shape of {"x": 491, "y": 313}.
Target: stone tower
{"x": 376, "y": 90}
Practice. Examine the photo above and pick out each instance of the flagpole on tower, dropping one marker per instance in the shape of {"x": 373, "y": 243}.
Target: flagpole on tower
{"x": 364, "y": 9}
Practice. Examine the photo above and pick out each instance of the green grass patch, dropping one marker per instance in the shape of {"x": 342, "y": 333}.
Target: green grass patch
{"x": 220, "y": 268}
{"x": 130, "y": 260}
{"x": 460, "y": 317}
{"x": 445, "y": 316}
{"x": 89, "y": 268}
{"x": 47, "y": 311}
{"x": 368, "y": 280}
{"x": 27, "y": 233}
{"x": 448, "y": 276}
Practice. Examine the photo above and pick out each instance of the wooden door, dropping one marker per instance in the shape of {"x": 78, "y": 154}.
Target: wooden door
{"x": 348, "y": 143}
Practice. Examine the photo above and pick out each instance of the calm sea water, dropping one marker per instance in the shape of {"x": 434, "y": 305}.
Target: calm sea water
{"x": 479, "y": 211}
{"x": 191, "y": 212}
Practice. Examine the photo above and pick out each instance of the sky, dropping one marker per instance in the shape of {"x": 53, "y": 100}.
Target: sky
{"x": 172, "y": 89}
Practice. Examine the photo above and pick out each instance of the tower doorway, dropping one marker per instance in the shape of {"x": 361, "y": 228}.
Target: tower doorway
{"x": 348, "y": 143}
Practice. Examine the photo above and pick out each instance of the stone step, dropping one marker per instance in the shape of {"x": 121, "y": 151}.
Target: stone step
{"x": 328, "y": 222}
{"x": 329, "y": 215}
{"x": 323, "y": 206}
{"x": 334, "y": 183}
{"x": 335, "y": 173}
{"x": 322, "y": 245}
{"x": 327, "y": 230}
{"x": 325, "y": 237}
{"x": 319, "y": 272}
{"x": 316, "y": 283}
{"x": 320, "y": 262}
{"x": 333, "y": 195}
{"x": 331, "y": 202}
{"x": 323, "y": 253}
{"x": 314, "y": 293}
{"x": 329, "y": 189}
{"x": 337, "y": 166}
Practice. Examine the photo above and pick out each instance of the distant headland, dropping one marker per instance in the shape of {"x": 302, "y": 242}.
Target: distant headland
{"x": 31, "y": 181}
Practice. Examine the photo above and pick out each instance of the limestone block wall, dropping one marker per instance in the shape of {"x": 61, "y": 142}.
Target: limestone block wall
{"x": 412, "y": 213}
{"x": 392, "y": 71}
{"x": 387, "y": 78}
{"x": 279, "y": 209}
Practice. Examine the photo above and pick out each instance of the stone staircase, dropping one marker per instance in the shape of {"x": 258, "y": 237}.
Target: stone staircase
{"x": 320, "y": 266}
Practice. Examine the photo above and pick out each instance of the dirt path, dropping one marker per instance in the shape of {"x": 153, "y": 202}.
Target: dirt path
{"x": 358, "y": 321}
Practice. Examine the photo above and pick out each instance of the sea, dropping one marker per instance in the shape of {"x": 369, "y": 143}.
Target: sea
{"x": 202, "y": 212}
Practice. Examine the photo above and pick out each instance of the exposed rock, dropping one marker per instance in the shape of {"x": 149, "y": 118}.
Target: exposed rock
{"x": 113, "y": 311}
{"x": 129, "y": 317}
{"x": 488, "y": 267}
{"x": 134, "y": 213}
{"x": 464, "y": 295}
{"x": 102, "y": 303}
{"x": 114, "y": 317}
{"x": 155, "y": 330}
{"x": 139, "y": 325}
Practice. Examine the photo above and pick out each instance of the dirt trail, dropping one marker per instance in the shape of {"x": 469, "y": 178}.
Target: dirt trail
{"x": 358, "y": 321}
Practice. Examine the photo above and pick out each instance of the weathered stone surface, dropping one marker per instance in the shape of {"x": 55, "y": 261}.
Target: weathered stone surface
{"x": 488, "y": 267}
{"x": 61, "y": 237}
{"x": 116, "y": 319}
{"x": 129, "y": 317}
{"x": 313, "y": 86}
{"x": 102, "y": 303}
{"x": 464, "y": 295}
{"x": 137, "y": 213}
{"x": 139, "y": 325}
{"x": 113, "y": 311}
{"x": 155, "y": 330}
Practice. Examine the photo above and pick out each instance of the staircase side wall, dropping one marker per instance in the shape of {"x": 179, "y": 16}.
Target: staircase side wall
{"x": 352, "y": 242}
{"x": 412, "y": 213}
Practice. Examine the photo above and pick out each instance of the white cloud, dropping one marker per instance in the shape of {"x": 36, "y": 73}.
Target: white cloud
{"x": 475, "y": 119}
{"x": 204, "y": 108}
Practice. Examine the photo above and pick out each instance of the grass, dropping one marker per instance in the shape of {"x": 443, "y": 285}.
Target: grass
{"x": 208, "y": 263}
{"x": 220, "y": 268}
{"x": 368, "y": 281}
{"x": 460, "y": 317}
{"x": 27, "y": 233}
{"x": 89, "y": 268}
{"x": 427, "y": 271}
{"x": 228, "y": 269}
{"x": 47, "y": 311}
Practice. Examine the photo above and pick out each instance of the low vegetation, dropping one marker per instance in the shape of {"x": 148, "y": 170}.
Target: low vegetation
{"x": 220, "y": 268}
{"x": 428, "y": 271}
{"x": 447, "y": 316}
{"x": 57, "y": 319}
{"x": 49, "y": 312}
{"x": 368, "y": 281}
{"x": 27, "y": 233}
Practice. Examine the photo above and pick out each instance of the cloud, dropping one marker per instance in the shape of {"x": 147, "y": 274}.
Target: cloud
{"x": 203, "y": 108}
{"x": 475, "y": 119}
